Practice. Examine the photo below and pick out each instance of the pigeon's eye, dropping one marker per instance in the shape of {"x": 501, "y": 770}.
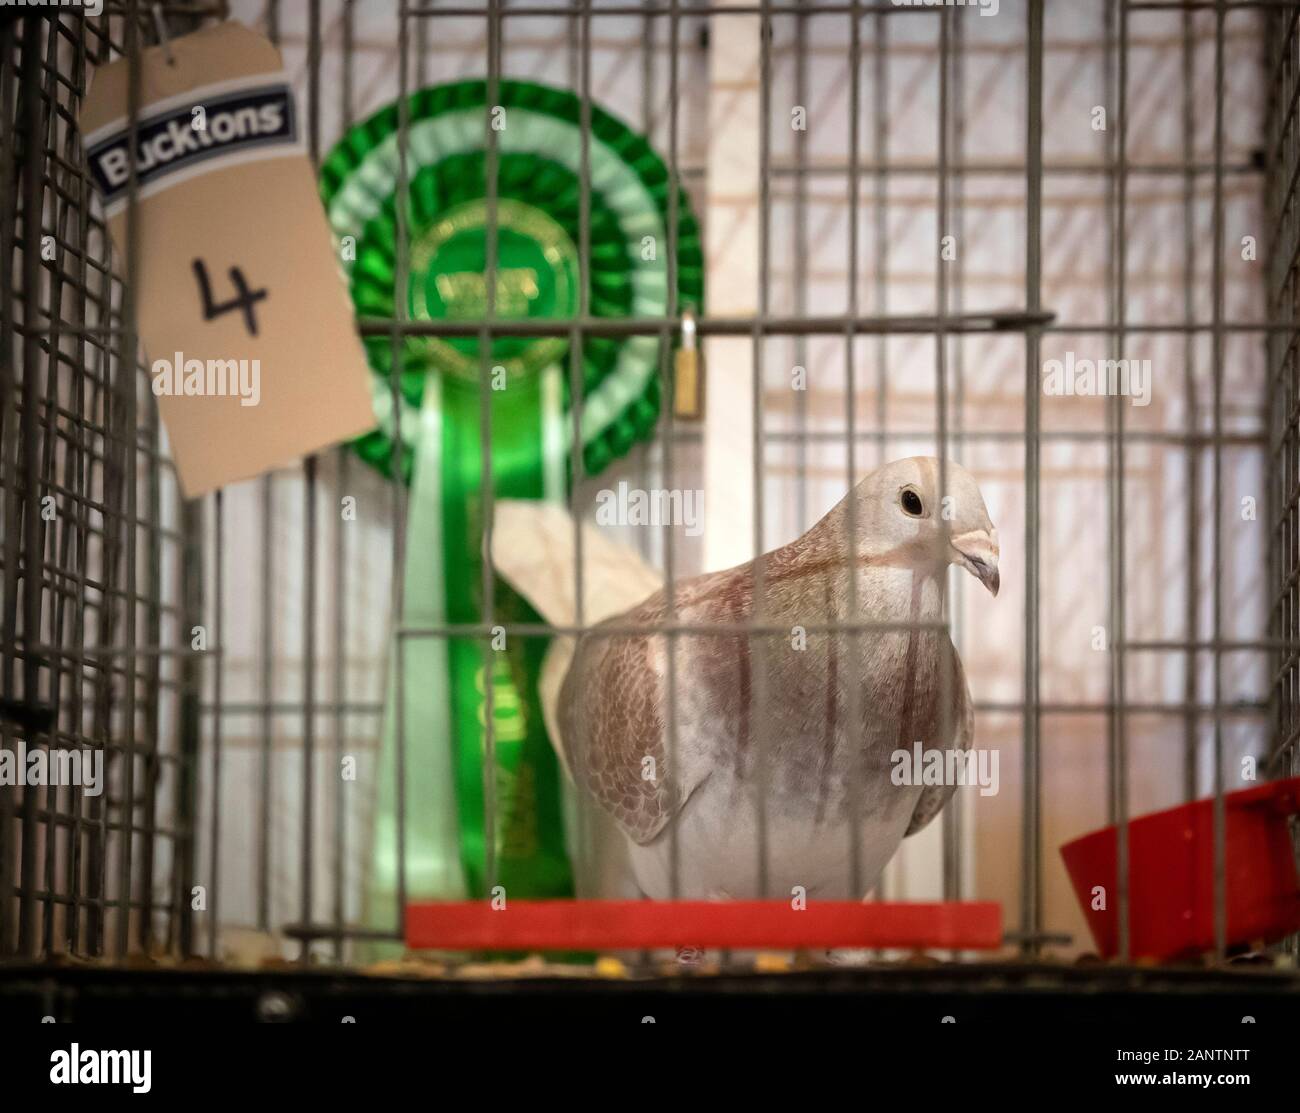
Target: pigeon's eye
{"x": 911, "y": 503}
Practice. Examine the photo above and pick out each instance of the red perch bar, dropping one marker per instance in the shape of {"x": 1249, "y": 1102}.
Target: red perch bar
{"x": 598, "y": 925}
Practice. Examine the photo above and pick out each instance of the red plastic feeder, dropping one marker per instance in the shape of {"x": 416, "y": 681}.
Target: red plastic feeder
{"x": 1171, "y": 875}
{"x": 600, "y": 925}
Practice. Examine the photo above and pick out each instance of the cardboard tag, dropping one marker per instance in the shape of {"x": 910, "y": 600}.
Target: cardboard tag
{"x": 242, "y": 310}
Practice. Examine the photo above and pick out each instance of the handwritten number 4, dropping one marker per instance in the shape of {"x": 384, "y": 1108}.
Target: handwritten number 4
{"x": 245, "y": 298}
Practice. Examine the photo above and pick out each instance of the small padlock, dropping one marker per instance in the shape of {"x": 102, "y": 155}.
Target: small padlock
{"x": 688, "y": 401}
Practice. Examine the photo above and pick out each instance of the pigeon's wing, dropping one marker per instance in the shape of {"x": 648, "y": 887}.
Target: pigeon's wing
{"x": 934, "y": 797}
{"x": 612, "y": 722}
{"x": 533, "y": 547}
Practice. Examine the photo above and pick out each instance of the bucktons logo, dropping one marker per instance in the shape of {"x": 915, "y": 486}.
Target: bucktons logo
{"x": 168, "y": 142}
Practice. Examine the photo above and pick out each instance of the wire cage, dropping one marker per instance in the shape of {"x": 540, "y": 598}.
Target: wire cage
{"x": 984, "y": 189}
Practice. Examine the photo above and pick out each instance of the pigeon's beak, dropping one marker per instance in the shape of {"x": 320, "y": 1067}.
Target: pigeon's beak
{"x": 977, "y": 552}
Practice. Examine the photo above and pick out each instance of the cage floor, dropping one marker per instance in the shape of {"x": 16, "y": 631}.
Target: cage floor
{"x": 1010, "y": 991}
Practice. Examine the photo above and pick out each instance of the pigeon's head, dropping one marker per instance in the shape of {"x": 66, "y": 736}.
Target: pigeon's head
{"x": 902, "y": 514}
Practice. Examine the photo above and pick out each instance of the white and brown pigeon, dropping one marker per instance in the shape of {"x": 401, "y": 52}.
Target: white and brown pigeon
{"x": 812, "y": 758}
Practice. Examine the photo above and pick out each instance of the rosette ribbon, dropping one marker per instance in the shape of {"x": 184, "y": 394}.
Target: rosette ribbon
{"x": 437, "y": 685}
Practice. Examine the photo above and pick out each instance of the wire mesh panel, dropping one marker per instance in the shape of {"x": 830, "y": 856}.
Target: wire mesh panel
{"x": 1283, "y": 398}
{"x": 100, "y": 710}
{"x": 950, "y": 205}
{"x": 1281, "y": 201}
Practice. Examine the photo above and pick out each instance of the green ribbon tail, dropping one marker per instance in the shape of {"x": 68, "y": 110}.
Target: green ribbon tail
{"x": 436, "y": 685}
{"x": 417, "y": 704}
{"x": 528, "y": 838}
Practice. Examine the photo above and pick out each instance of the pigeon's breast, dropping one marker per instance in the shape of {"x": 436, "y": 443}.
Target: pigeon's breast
{"x": 720, "y": 850}
{"x": 827, "y": 715}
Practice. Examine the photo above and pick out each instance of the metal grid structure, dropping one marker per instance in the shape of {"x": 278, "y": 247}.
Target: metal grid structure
{"x": 93, "y": 600}
{"x": 98, "y": 601}
{"x": 1283, "y": 150}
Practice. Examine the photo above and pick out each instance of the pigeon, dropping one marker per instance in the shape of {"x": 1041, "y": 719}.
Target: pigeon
{"x": 783, "y": 772}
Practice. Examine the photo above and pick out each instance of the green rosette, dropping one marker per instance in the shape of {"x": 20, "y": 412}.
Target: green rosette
{"x": 437, "y": 686}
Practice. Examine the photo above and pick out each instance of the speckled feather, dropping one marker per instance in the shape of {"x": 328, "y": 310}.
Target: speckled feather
{"x": 612, "y": 707}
